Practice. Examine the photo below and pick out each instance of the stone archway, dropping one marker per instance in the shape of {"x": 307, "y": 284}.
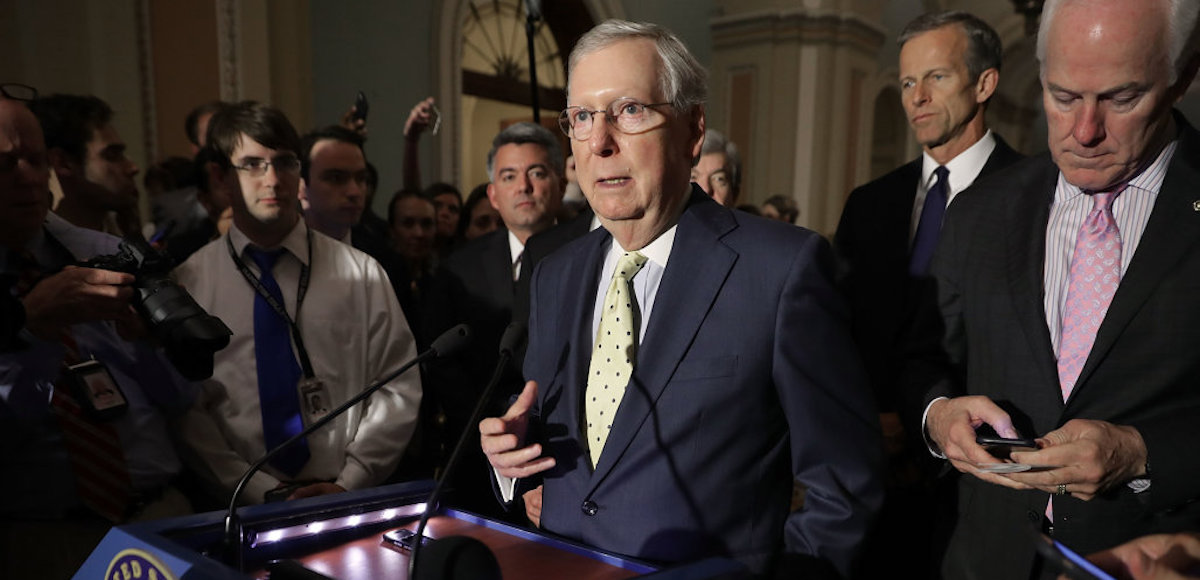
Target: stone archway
{"x": 567, "y": 21}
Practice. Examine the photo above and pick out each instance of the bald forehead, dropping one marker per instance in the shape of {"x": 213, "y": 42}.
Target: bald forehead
{"x": 1097, "y": 21}
{"x": 19, "y": 128}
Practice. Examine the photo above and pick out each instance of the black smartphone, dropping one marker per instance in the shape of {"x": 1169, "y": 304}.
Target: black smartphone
{"x": 1071, "y": 564}
{"x": 361, "y": 106}
{"x": 1001, "y": 446}
{"x": 404, "y": 539}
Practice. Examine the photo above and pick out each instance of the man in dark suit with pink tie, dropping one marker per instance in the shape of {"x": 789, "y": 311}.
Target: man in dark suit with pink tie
{"x": 1066, "y": 303}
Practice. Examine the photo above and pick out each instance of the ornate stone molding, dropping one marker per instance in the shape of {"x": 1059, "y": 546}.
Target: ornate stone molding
{"x": 228, "y": 41}
{"x": 802, "y": 26}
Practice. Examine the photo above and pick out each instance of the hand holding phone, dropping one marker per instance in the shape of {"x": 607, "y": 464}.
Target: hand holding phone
{"x": 1001, "y": 447}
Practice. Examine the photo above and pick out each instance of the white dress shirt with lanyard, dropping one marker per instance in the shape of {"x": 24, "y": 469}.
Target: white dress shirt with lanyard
{"x": 354, "y": 332}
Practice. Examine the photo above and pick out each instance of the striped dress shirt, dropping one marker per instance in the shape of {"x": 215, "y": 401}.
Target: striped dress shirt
{"x": 1070, "y": 207}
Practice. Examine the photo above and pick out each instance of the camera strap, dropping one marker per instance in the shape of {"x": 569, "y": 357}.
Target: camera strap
{"x": 256, "y": 284}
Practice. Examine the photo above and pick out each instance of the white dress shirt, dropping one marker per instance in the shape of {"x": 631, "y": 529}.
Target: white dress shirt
{"x": 355, "y": 333}
{"x": 963, "y": 170}
{"x": 516, "y": 251}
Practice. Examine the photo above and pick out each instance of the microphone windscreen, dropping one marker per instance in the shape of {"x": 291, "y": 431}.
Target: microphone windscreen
{"x": 457, "y": 558}
{"x": 452, "y": 341}
{"x": 513, "y": 335}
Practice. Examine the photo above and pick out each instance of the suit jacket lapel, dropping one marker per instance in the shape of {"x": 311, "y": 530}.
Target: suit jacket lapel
{"x": 699, "y": 264}
{"x": 1172, "y": 231}
{"x": 576, "y": 297}
{"x": 1028, "y": 217}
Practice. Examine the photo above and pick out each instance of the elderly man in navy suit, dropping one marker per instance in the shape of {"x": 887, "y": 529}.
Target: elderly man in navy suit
{"x": 681, "y": 379}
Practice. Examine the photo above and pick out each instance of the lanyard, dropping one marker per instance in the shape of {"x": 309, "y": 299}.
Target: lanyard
{"x": 305, "y": 363}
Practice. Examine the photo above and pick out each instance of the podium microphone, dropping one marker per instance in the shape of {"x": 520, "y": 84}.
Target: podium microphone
{"x": 460, "y": 556}
{"x": 449, "y": 343}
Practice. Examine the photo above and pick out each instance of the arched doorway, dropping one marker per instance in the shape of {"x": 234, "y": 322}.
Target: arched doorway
{"x": 483, "y": 79}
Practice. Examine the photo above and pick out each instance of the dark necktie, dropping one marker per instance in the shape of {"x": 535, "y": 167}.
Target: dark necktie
{"x": 278, "y": 372}
{"x": 94, "y": 450}
{"x": 930, "y": 226}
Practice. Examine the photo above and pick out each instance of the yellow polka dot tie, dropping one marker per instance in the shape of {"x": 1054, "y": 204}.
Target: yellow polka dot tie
{"x": 612, "y": 355}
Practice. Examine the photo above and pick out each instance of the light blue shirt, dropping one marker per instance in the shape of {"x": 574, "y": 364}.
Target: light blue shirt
{"x": 38, "y": 480}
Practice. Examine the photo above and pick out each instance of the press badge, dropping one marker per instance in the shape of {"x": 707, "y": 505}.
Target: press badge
{"x": 314, "y": 399}
{"x": 96, "y": 390}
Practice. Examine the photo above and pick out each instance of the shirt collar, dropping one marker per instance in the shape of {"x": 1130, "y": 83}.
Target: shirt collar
{"x": 515, "y": 248}
{"x": 965, "y": 167}
{"x": 1150, "y": 180}
{"x": 295, "y": 243}
{"x": 657, "y": 251}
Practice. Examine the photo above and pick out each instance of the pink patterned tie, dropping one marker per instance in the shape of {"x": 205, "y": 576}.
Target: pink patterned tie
{"x": 1091, "y": 283}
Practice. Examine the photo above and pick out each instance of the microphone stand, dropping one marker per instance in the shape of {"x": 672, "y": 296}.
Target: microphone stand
{"x": 508, "y": 343}
{"x": 444, "y": 345}
{"x": 531, "y": 18}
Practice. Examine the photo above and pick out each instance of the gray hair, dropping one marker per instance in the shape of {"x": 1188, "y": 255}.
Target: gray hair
{"x": 684, "y": 82}
{"x": 522, "y": 133}
{"x": 715, "y": 142}
{"x": 984, "y": 49}
{"x": 1181, "y": 33}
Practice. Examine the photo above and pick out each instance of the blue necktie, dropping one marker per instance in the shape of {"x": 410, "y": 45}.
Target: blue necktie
{"x": 278, "y": 372}
{"x": 930, "y": 225}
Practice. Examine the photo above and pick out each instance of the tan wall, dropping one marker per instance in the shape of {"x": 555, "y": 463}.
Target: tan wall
{"x": 806, "y": 75}
{"x": 185, "y": 65}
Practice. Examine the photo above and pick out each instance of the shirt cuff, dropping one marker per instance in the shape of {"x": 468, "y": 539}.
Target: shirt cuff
{"x": 506, "y": 485}
{"x": 933, "y": 448}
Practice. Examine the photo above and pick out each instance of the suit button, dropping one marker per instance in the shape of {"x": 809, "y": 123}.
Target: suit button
{"x": 590, "y": 508}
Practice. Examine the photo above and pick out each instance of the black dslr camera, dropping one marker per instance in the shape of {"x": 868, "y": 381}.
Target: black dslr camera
{"x": 189, "y": 335}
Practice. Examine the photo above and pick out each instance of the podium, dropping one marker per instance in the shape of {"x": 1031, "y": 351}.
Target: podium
{"x": 341, "y": 536}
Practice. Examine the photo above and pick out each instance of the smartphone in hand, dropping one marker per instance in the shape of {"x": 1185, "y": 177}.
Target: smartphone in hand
{"x": 361, "y": 107}
{"x": 1001, "y": 446}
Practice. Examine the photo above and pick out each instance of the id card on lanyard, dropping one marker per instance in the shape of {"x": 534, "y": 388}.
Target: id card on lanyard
{"x": 312, "y": 391}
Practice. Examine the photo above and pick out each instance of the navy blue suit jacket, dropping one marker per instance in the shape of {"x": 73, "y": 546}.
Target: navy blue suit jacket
{"x": 747, "y": 378}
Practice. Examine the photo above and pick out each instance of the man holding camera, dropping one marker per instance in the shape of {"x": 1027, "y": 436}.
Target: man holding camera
{"x": 83, "y": 437}
{"x": 314, "y": 322}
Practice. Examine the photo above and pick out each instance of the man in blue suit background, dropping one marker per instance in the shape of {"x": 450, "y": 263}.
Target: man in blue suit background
{"x": 670, "y": 426}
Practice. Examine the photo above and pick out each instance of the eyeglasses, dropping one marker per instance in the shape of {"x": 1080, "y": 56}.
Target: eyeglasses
{"x": 18, "y": 91}
{"x": 257, "y": 167}
{"x": 627, "y": 115}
